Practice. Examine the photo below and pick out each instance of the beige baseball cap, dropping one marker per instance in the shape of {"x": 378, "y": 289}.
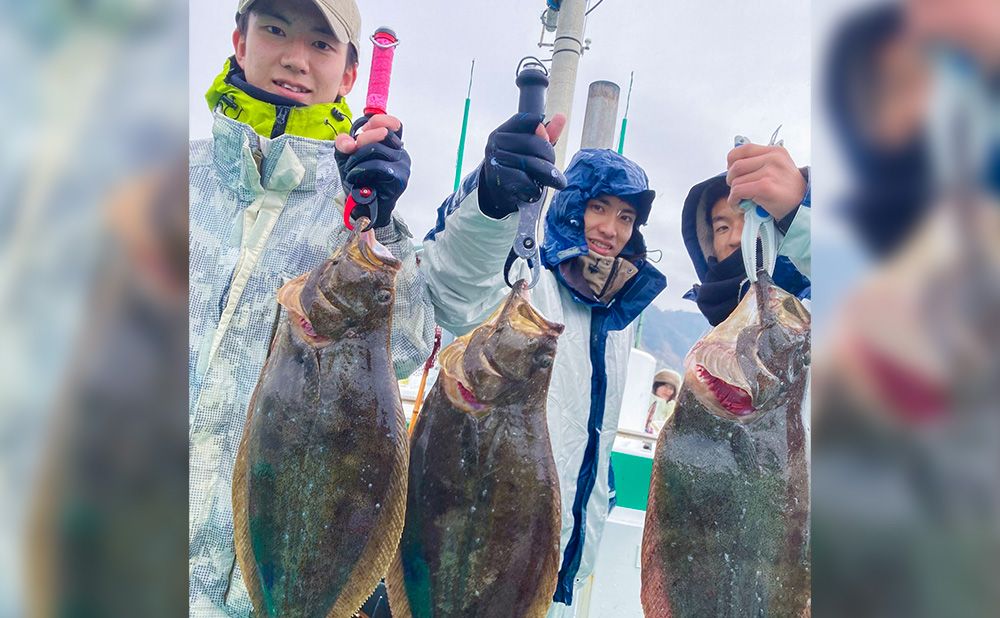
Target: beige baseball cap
{"x": 343, "y": 17}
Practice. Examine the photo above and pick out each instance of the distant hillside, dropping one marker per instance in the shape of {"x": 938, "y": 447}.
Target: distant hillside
{"x": 668, "y": 335}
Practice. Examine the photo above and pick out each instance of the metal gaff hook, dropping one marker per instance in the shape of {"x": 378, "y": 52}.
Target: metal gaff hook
{"x": 758, "y": 224}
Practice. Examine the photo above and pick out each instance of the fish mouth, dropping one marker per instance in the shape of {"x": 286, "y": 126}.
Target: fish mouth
{"x": 289, "y": 297}
{"x": 910, "y": 393}
{"x": 733, "y": 399}
{"x": 368, "y": 252}
{"x": 469, "y": 397}
{"x": 307, "y": 327}
{"x": 521, "y": 315}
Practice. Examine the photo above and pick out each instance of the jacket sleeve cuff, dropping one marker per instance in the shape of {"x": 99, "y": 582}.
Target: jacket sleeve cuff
{"x": 796, "y": 243}
{"x": 785, "y": 222}
{"x": 395, "y": 232}
{"x": 486, "y": 205}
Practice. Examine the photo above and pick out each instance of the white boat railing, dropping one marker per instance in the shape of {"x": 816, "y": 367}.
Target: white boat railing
{"x": 636, "y": 435}
{"x": 622, "y": 432}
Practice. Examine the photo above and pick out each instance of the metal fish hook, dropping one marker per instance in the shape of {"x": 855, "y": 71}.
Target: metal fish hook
{"x": 774, "y": 138}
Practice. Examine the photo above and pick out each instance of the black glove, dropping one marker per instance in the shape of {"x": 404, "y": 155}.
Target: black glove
{"x": 384, "y": 166}
{"x": 518, "y": 164}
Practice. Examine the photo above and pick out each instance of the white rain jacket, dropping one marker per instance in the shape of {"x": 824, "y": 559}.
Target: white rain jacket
{"x": 463, "y": 261}
{"x": 254, "y": 226}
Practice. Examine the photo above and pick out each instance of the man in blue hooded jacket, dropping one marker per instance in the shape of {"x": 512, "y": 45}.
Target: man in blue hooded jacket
{"x": 596, "y": 280}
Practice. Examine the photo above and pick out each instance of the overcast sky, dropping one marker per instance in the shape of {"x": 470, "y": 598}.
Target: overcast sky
{"x": 704, "y": 72}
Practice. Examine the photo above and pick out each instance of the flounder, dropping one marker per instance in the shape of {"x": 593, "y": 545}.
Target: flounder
{"x": 726, "y": 530}
{"x": 319, "y": 486}
{"x": 482, "y": 514}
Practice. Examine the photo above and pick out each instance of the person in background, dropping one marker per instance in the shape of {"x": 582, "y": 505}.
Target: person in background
{"x": 666, "y": 384}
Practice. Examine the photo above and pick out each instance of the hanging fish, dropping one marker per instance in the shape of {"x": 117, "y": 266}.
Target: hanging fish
{"x": 319, "y": 486}
{"x": 482, "y": 512}
{"x": 726, "y": 530}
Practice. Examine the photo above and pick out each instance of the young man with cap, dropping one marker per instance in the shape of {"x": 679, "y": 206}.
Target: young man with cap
{"x": 266, "y": 201}
{"x": 595, "y": 280}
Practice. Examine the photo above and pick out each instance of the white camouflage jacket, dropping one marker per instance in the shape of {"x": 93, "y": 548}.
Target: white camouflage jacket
{"x": 261, "y": 212}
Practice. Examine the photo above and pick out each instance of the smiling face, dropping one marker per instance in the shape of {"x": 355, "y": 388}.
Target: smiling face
{"x": 608, "y": 222}
{"x": 289, "y": 50}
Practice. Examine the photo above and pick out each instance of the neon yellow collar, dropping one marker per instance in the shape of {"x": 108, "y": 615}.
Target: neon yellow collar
{"x": 323, "y": 121}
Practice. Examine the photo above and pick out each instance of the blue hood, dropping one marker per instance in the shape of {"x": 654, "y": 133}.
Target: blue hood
{"x": 592, "y": 173}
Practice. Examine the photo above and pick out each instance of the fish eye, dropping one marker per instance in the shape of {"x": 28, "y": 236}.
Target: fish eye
{"x": 543, "y": 360}
{"x": 383, "y": 295}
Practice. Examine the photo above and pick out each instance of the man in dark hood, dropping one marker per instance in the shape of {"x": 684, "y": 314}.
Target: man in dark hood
{"x": 712, "y": 226}
{"x": 877, "y": 87}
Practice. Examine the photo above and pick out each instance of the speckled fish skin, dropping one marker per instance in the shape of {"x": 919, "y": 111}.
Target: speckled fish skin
{"x": 482, "y": 518}
{"x": 726, "y": 530}
{"x": 319, "y": 487}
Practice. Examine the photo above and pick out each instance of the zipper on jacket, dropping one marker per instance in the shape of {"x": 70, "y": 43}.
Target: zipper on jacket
{"x": 258, "y": 158}
{"x": 228, "y": 102}
{"x": 587, "y": 476}
{"x": 281, "y": 113}
{"x": 611, "y": 277}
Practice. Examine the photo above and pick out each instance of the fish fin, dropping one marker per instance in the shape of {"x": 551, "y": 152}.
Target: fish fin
{"x": 376, "y": 557}
{"x": 241, "y": 516}
{"x": 653, "y": 591}
{"x": 395, "y": 585}
{"x": 550, "y": 571}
